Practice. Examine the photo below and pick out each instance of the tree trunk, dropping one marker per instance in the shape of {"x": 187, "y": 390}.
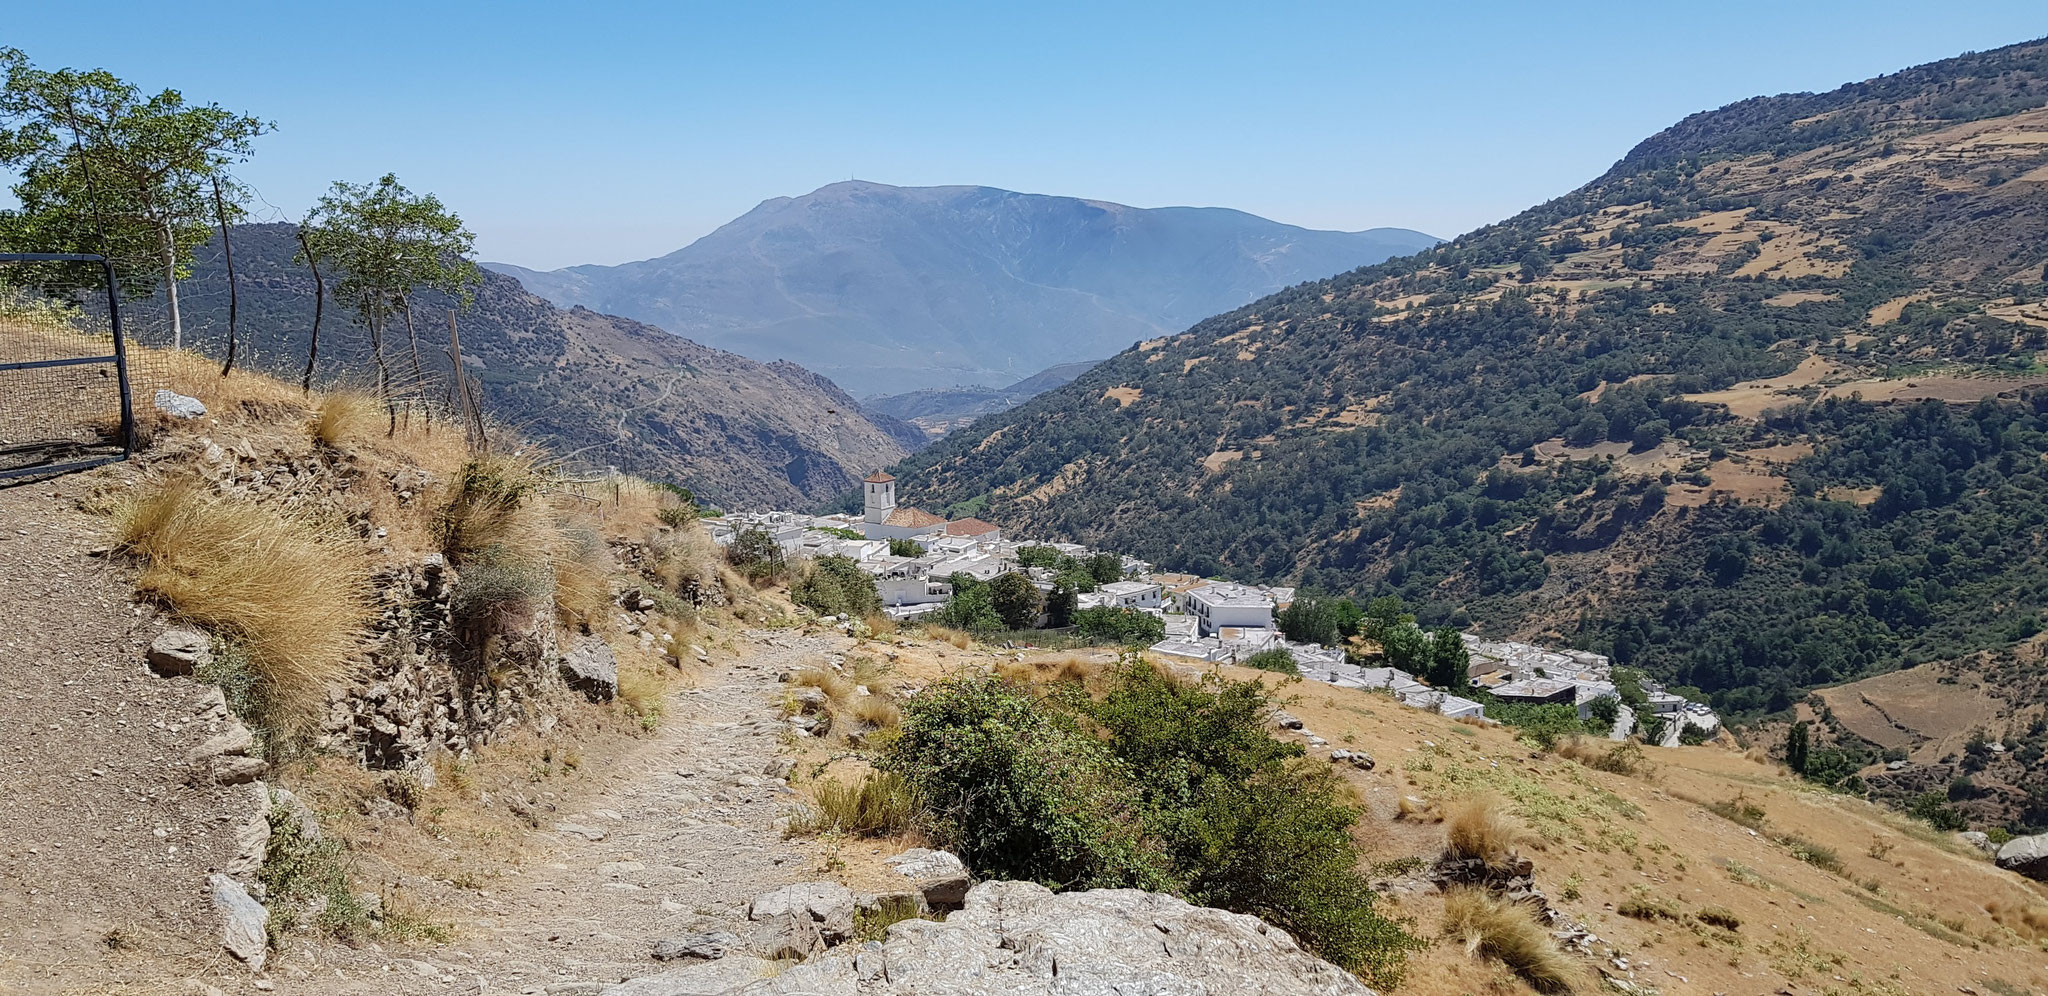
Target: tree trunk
{"x": 171, "y": 285}
{"x": 383, "y": 368}
{"x": 319, "y": 301}
{"x": 419, "y": 372}
{"x": 220, "y": 208}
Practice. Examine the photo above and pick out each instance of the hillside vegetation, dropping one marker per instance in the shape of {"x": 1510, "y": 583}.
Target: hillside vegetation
{"x": 1755, "y": 410}
{"x": 889, "y": 289}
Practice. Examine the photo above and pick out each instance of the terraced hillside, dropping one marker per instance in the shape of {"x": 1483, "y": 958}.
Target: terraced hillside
{"x": 1757, "y": 409}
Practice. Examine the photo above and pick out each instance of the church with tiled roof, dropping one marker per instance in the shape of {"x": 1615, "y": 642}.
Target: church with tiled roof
{"x": 884, "y": 520}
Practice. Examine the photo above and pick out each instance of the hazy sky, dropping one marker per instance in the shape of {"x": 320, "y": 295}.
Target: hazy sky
{"x": 593, "y": 132}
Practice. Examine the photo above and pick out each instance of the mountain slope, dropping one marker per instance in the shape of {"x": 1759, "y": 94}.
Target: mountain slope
{"x": 1716, "y": 412}
{"x": 888, "y": 289}
{"x": 595, "y": 388}
{"x": 938, "y": 410}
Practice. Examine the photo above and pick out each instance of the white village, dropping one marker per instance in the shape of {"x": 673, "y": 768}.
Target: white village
{"x": 1205, "y": 619}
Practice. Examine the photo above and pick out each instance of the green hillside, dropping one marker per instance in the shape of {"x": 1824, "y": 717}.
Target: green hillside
{"x": 1755, "y": 409}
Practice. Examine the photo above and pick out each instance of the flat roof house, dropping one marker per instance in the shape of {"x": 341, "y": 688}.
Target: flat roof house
{"x": 1222, "y": 604}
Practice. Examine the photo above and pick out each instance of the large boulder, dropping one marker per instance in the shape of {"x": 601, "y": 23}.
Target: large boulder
{"x": 591, "y": 668}
{"x": 1021, "y": 938}
{"x": 2027, "y": 856}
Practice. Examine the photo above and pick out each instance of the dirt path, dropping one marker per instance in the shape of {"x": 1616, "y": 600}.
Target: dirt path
{"x": 677, "y": 836}
{"x": 104, "y": 846}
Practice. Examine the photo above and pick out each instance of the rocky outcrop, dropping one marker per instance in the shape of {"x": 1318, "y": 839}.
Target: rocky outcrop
{"x": 437, "y": 681}
{"x": 2026, "y": 855}
{"x": 1021, "y": 938}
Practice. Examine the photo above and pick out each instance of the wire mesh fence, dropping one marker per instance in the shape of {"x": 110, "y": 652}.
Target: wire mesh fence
{"x": 66, "y": 401}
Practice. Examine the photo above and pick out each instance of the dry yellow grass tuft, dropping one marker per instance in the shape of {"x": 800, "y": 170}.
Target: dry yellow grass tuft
{"x": 583, "y": 566}
{"x": 829, "y": 682}
{"x": 342, "y": 419}
{"x": 958, "y": 638}
{"x": 684, "y": 561}
{"x": 1480, "y": 827}
{"x": 1415, "y": 810}
{"x": 290, "y": 592}
{"x": 879, "y": 805}
{"x": 1493, "y": 928}
{"x": 876, "y": 711}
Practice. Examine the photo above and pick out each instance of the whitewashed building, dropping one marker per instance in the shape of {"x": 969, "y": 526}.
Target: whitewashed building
{"x": 1223, "y": 604}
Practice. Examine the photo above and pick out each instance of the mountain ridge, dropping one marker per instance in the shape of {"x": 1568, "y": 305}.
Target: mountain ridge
{"x": 888, "y": 289}
{"x": 1610, "y": 419}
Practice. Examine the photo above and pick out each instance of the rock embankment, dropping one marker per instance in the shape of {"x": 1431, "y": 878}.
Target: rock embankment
{"x": 1015, "y": 938}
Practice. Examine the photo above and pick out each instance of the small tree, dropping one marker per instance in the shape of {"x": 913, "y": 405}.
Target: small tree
{"x": 389, "y": 243}
{"x": 1449, "y": 662}
{"x": 905, "y": 548}
{"x": 1798, "y": 744}
{"x": 969, "y": 609}
{"x": 1061, "y": 605}
{"x": 1114, "y": 624}
{"x": 1015, "y": 600}
{"x": 1605, "y": 710}
{"x": 756, "y": 554}
{"x": 104, "y": 169}
{"x": 1310, "y": 619}
{"x": 1105, "y": 568}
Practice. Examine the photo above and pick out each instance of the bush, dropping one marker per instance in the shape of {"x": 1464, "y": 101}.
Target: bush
{"x": 1181, "y": 789}
{"x": 969, "y": 610}
{"x": 1818, "y": 855}
{"x": 757, "y": 556}
{"x": 834, "y": 586}
{"x": 1719, "y": 916}
{"x": 1015, "y": 600}
{"x": 1114, "y": 624}
{"x": 1495, "y": 928}
{"x": 1933, "y": 807}
{"x": 1019, "y": 791}
{"x": 1278, "y": 659}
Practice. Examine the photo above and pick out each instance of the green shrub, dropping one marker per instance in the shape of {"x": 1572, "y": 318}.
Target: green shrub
{"x": 755, "y": 554}
{"x": 1114, "y": 624}
{"x": 1020, "y": 791}
{"x": 836, "y": 586}
{"x": 1277, "y": 659}
{"x": 306, "y": 878}
{"x": 1159, "y": 785}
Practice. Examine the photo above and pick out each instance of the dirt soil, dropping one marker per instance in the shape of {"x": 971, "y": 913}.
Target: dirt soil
{"x": 104, "y": 845}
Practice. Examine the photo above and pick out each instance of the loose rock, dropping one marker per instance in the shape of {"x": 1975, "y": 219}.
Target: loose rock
{"x": 243, "y": 921}
{"x": 2027, "y": 856}
{"x": 177, "y": 652}
{"x": 591, "y": 668}
{"x": 940, "y": 876}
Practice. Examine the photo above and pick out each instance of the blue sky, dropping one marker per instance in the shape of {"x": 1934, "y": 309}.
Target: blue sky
{"x": 595, "y": 132}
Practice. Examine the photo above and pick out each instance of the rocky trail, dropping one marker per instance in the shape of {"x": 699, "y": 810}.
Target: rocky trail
{"x": 672, "y": 843}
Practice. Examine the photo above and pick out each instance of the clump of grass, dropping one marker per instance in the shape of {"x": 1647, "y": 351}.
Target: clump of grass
{"x": 830, "y": 682}
{"x": 1479, "y": 827}
{"x": 582, "y": 565}
{"x": 489, "y": 513}
{"x": 877, "y": 711}
{"x": 342, "y": 417}
{"x": 1493, "y": 928}
{"x": 1415, "y": 810}
{"x": 685, "y": 563}
{"x": 1818, "y": 855}
{"x": 1739, "y": 810}
{"x": 290, "y": 592}
{"x": 1641, "y": 904}
{"x": 873, "y": 923}
{"x": 960, "y": 639}
{"x": 879, "y": 805}
{"x": 1719, "y": 916}
{"x": 642, "y": 692}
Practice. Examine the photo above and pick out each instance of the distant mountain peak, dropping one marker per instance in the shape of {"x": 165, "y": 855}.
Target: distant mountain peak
{"x": 886, "y": 289}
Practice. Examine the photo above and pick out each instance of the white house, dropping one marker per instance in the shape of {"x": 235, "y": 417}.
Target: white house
{"x": 1132, "y": 594}
{"x": 884, "y": 521}
{"x": 1224, "y": 604}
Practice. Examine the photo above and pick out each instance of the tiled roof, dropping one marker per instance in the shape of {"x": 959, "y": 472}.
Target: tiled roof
{"x": 915, "y": 518}
{"x": 970, "y": 527}
{"x": 878, "y": 477}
